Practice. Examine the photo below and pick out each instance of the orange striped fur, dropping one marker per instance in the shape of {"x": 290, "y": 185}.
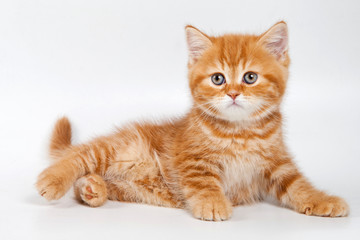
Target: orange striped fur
{"x": 226, "y": 151}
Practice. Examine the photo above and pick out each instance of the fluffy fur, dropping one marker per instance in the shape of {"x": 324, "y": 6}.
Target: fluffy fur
{"x": 228, "y": 150}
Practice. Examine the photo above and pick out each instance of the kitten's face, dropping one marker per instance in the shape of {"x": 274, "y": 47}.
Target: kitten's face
{"x": 238, "y": 77}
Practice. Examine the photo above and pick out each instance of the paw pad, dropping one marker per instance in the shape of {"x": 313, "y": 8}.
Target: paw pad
{"x": 90, "y": 191}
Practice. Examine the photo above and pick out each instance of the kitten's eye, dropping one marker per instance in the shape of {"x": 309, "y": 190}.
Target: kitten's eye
{"x": 218, "y": 79}
{"x": 250, "y": 77}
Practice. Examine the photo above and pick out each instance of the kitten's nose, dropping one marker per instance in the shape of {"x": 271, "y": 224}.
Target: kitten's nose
{"x": 233, "y": 94}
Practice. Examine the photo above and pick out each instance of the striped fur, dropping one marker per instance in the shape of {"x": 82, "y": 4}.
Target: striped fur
{"x": 215, "y": 157}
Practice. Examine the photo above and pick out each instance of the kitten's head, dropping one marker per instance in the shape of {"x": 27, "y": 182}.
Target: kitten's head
{"x": 238, "y": 77}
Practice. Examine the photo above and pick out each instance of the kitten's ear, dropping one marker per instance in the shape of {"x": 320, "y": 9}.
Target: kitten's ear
{"x": 197, "y": 43}
{"x": 275, "y": 40}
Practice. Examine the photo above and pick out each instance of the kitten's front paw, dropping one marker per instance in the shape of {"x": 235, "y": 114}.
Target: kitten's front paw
{"x": 212, "y": 209}
{"x": 325, "y": 206}
{"x": 51, "y": 186}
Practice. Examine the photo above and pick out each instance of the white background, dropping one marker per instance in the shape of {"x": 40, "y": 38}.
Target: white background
{"x": 103, "y": 63}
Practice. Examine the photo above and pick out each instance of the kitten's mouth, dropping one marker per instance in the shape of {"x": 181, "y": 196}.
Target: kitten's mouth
{"x": 234, "y": 104}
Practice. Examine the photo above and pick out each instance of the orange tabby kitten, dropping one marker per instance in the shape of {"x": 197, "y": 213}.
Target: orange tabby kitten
{"x": 228, "y": 150}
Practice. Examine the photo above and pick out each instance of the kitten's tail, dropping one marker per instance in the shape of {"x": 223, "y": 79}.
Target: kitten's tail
{"x": 61, "y": 138}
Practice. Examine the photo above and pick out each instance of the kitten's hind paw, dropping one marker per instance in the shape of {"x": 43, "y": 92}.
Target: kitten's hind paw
{"x": 51, "y": 186}
{"x": 91, "y": 189}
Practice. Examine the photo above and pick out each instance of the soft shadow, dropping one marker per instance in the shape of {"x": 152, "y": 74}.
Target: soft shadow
{"x": 64, "y": 202}
{"x": 35, "y": 199}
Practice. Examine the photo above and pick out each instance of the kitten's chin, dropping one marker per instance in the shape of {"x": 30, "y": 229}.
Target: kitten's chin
{"x": 235, "y": 118}
{"x": 235, "y": 113}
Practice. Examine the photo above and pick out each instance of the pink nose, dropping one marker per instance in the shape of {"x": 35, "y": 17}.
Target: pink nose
{"x": 233, "y": 95}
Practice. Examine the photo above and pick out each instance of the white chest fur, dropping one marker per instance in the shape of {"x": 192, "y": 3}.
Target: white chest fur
{"x": 243, "y": 166}
{"x": 240, "y": 173}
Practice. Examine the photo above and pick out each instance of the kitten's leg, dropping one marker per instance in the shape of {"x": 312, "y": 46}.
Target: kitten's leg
{"x": 75, "y": 162}
{"x": 91, "y": 189}
{"x": 292, "y": 189}
{"x": 78, "y": 161}
{"x": 57, "y": 179}
{"x": 201, "y": 187}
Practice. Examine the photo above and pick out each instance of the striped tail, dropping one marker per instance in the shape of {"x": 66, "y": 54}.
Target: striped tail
{"x": 61, "y": 138}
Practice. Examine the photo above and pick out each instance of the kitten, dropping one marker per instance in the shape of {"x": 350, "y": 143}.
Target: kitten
{"x": 228, "y": 150}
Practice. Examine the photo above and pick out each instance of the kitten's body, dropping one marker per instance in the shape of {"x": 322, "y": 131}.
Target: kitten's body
{"x": 214, "y": 157}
